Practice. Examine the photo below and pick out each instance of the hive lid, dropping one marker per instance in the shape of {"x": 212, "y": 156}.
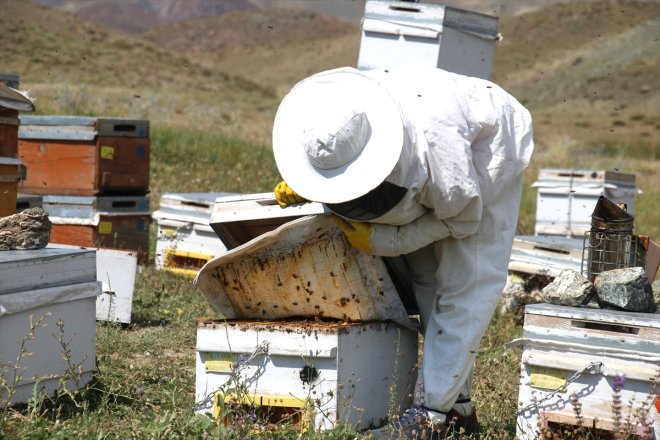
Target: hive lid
{"x": 194, "y": 206}
{"x": 79, "y": 128}
{"x": 304, "y": 268}
{"x": 22, "y": 270}
{"x": 240, "y": 218}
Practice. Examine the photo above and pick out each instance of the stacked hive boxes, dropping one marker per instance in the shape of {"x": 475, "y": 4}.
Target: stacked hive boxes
{"x": 605, "y": 361}
{"x": 47, "y": 325}
{"x": 93, "y": 175}
{"x": 185, "y": 241}
{"x": 404, "y": 32}
{"x": 565, "y": 201}
{"x": 12, "y": 170}
{"x": 313, "y": 328}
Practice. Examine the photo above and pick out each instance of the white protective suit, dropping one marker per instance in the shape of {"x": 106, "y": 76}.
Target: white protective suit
{"x": 467, "y": 143}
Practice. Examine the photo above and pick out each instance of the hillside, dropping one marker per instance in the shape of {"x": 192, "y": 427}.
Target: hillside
{"x": 275, "y": 47}
{"x": 588, "y": 71}
{"x": 72, "y": 66}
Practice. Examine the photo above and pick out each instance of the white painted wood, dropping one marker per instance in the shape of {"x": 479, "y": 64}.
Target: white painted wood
{"x": 306, "y": 268}
{"x": 258, "y": 206}
{"x": 353, "y": 384}
{"x": 39, "y": 268}
{"x": 185, "y": 234}
{"x": 403, "y": 32}
{"x": 570, "y": 338}
{"x": 593, "y": 313}
{"x": 567, "y": 198}
{"x": 116, "y": 271}
{"x": 46, "y": 365}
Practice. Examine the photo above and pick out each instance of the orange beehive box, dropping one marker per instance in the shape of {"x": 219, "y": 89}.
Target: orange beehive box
{"x": 85, "y": 156}
{"x": 112, "y": 222}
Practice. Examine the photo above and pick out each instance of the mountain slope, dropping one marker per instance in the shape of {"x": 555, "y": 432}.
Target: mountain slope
{"x": 47, "y": 45}
{"x": 277, "y": 47}
{"x": 587, "y": 70}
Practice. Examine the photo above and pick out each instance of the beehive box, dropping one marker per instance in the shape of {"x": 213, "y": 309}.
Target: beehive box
{"x": 306, "y": 268}
{"x": 12, "y": 171}
{"x": 567, "y": 198}
{"x": 76, "y": 155}
{"x": 238, "y": 219}
{"x": 115, "y": 270}
{"x": 114, "y": 222}
{"x": 38, "y": 289}
{"x": 314, "y": 374}
{"x": 185, "y": 240}
{"x": 609, "y": 349}
{"x": 399, "y": 32}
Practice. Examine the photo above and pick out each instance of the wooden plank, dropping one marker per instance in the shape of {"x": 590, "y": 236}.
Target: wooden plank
{"x": 239, "y": 219}
{"x": 124, "y": 163}
{"x": 71, "y": 167}
{"x": 588, "y": 328}
{"x": 596, "y": 314}
{"x": 8, "y": 132}
{"x": 63, "y": 167}
{"x": 129, "y": 232}
{"x": 41, "y": 268}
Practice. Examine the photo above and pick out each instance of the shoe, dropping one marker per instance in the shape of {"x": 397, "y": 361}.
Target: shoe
{"x": 415, "y": 423}
{"x": 468, "y": 424}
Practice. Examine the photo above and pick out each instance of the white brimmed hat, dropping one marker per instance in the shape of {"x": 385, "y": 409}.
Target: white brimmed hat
{"x": 337, "y": 135}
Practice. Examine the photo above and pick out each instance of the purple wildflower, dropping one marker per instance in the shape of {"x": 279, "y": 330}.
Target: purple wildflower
{"x": 618, "y": 382}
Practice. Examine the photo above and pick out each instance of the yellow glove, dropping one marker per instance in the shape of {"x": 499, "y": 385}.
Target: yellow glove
{"x": 358, "y": 233}
{"x": 286, "y": 196}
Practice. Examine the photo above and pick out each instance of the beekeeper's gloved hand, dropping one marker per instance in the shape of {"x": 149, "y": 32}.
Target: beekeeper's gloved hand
{"x": 358, "y": 233}
{"x": 286, "y": 196}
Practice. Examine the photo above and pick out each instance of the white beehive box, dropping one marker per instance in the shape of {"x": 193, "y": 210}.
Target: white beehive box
{"x": 39, "y": 289}
{"x": 116, "y": 271}
{"x": 185, "y": 240}
{"x": 566, "y": 198}
{"x": 319, "y": 374}
{"x": 397, "y": 32}
{"x": 560, "y": 341}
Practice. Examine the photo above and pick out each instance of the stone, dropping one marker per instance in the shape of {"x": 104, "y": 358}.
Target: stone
{"x": 627, "y": 289}
{"x": 29, "y": 229}
{"x": 569, "y": 288}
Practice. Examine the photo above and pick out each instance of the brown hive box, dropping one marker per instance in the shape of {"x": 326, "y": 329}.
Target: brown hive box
{"x": 73, "y": 155}
{"x": 11, "y": 172}
{"x": 8, "y": 132}
{"x": 11, "y": 102}
{"x": 112, "y": 222}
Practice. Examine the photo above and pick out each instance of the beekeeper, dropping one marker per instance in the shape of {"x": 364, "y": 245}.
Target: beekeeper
{"x": 424, "y": 166}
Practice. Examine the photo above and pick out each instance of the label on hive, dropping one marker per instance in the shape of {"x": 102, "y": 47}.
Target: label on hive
{"x": 105, "y": 228}
{"x": 219, "y": 362}
{"x": 107, "y": 152}
{"x": 547, "y": 378}
{"x": 168, "y": 232}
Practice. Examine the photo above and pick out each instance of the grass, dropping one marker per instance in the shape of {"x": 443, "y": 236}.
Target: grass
{"x": 210, "y": 131}
{"x": 145, "y": 384}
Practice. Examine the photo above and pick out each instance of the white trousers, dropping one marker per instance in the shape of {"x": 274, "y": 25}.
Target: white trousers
{"x": 457, "y": 285}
